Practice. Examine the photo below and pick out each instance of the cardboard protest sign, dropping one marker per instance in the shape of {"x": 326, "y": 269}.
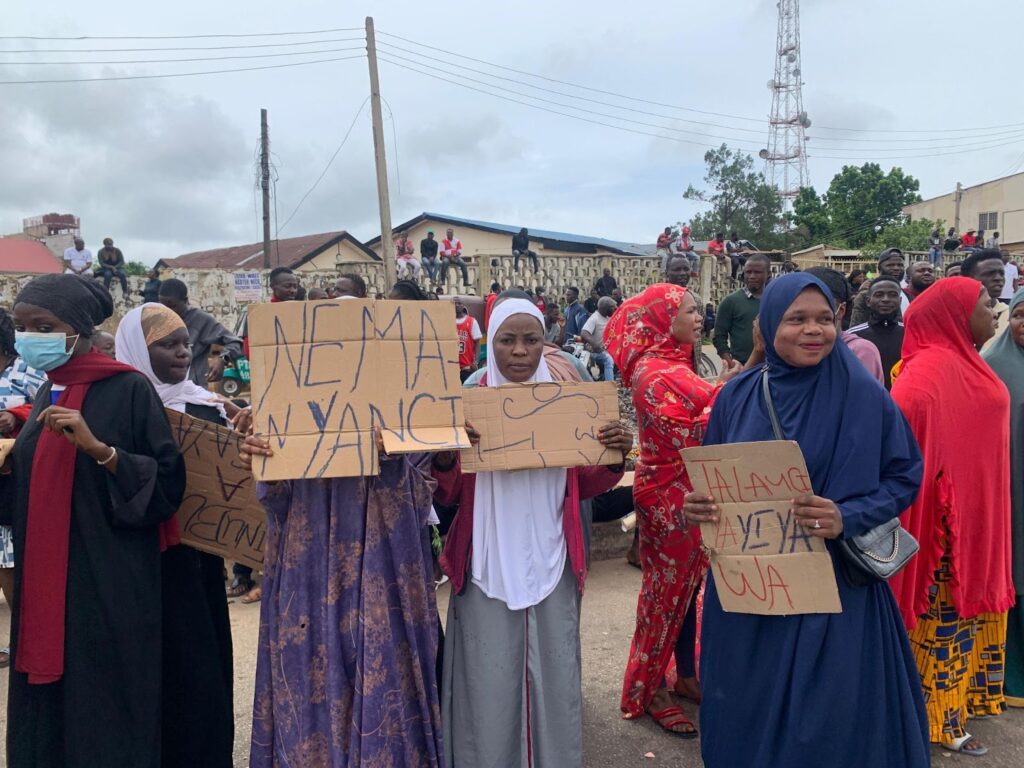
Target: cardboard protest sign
{"x": 763, "y": 561}
{"x": 535, "y": 426}
{"x": 5, "y": 449}
{"x": 220, "y": 513}
{"x": 326, "y": 374}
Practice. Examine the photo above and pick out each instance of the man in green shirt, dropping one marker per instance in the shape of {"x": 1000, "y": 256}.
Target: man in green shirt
{"x": 734, "y": 324}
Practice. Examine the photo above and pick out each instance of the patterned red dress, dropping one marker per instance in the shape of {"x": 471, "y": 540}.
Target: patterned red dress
{"x": 672, "y": 408}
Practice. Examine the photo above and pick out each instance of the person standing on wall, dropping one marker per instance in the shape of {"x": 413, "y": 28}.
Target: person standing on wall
{"x": 605, "y": 284}
{"x": 734, "y": 325}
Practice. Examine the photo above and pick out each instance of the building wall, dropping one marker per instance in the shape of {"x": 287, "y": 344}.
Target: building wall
{"x": 1005, "y": 197}
{"x": 341, "y": 253}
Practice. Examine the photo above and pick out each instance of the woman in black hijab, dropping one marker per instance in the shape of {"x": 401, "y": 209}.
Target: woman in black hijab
{"x": 91, "y": 489}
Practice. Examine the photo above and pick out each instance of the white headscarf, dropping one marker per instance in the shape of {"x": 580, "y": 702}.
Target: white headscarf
{"x": 131, "y": 349}
{"x": 518, "y": 540}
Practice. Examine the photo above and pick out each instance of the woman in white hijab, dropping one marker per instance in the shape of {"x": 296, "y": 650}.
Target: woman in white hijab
{"x": 197, "y": 710}
{"x": 515, "y": 555}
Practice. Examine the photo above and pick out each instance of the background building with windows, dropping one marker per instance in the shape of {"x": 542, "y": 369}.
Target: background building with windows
{"x": 994, "y": 206}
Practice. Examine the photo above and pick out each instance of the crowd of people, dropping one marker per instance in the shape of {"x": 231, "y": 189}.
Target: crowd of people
{"x": 113, "y": 616}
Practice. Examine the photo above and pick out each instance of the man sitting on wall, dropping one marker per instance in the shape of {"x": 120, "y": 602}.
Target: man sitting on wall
{"x": 593, "y": 334}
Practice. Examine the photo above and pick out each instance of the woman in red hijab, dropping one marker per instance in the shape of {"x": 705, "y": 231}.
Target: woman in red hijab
{"x": 651, "y": 338}
{"x": 954, "y": 595}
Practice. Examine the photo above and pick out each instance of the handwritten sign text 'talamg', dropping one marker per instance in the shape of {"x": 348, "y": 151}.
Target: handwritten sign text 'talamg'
{"x": 762, "y": 560}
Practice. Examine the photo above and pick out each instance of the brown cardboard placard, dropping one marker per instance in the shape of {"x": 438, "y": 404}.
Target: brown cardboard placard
{"x": 220, "y": 513}
{"x": 535, "y": 426}
{"x": 6, "y": 445}
{"x": 762, "y": 560}
{"x": 327, "y": 374}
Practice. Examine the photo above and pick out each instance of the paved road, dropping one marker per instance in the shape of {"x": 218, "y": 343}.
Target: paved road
{"x": 608, "y": 615}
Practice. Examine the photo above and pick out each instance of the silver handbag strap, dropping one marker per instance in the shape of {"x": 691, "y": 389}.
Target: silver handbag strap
{"x": 776, "y": 426}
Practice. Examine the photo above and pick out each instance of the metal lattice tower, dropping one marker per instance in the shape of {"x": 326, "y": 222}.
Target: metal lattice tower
{"x": 786, "y": 155}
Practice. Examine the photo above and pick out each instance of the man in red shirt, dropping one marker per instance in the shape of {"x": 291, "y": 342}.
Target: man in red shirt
{"x": 717, "y": 246}
{"x": 469, "y": 334}
{"x": 969, "y": 240}
{"x": 451, "y": 253}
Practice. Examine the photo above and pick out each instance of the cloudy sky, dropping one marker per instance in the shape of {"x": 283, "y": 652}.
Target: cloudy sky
{"x": 166, "y": 166}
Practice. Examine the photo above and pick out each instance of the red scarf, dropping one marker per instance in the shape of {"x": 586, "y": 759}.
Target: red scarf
{"x": 959, "y": 411}
{"x": 44, "y": 561}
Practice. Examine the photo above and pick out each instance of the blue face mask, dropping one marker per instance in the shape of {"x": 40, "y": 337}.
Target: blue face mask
{"x": 43, "y": 351}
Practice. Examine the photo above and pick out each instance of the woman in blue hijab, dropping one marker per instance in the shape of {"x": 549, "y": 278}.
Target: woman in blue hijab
{"x": 816, "y": 689}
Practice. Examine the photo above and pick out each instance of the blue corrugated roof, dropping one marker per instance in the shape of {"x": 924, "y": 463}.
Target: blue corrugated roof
{"x": 634, "y": 249}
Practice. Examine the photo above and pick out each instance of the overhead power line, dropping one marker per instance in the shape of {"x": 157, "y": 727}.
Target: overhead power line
{"x": 179, "y": 61}
{"x": 462, "y": 81}
{"x": 176, "y": 74}
{"x": 184, "y": 37}
{"x": 680, "y": 108}
{"x": 391, "y": 56}
{"x": 444, "y": 68}
{"x": 151, "y": 49}
{"x": 328, "y": 166}
{"x": 546, "y": 109}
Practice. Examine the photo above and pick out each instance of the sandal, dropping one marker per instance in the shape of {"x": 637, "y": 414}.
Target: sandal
{"x": 962, "y": 746}
{"x": 240, "y": 587}
{"x": 670, "y": 717}
{"x": 5, "y": 658}
{"x": 254, "y": 595}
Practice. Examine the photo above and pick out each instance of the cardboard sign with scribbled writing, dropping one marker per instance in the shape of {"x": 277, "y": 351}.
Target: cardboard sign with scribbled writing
{"x": 220, "y": 513}
{"x": 762, "y": 560}
{"x": 535, "y": 426}
{"x": 327, "y": 374}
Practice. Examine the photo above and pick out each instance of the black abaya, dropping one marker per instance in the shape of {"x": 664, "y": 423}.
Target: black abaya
{"x": 198, "y": 711}
{"x": 105, "y": 710}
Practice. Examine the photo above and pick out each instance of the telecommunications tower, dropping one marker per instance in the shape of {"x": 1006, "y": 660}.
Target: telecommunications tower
{"x": 786, "y": 155}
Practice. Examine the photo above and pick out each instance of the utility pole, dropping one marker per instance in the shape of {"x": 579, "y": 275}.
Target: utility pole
{"x": 387, "y": 246}
{"x": 265, "y": 183}
{"x": 956, "y": 207}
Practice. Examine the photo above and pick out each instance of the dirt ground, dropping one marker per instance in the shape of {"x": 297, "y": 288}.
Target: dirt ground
{"x": 608, "y": 616}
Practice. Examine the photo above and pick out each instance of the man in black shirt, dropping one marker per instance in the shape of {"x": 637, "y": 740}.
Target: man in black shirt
{"x": 111, "y": 262}
{"x": 883, "y": 328}
{"x": 521, "y": 247}
{"x": 428, "y": 255}
{"x": 605, "y": 284}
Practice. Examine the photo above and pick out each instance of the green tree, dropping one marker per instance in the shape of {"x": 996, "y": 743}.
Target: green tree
{"x": 861, "y": 199}
{"x": 810, "y": 217}
{"x": 905, "y": 235}
{"x": 741, "y": 200}
{"x": 135, "y": 269}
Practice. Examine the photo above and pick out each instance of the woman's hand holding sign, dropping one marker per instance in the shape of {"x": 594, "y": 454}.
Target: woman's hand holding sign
{"x": 820, "y": 517}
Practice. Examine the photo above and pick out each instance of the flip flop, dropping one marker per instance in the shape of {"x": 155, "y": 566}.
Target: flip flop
{"x": 960, "y": 746}
{"x": 672, "y": 716}
{"x": 254, "y": 595}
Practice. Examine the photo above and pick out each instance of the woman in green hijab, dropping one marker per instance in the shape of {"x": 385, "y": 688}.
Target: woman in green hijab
{"x": 1006, "y": 357}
